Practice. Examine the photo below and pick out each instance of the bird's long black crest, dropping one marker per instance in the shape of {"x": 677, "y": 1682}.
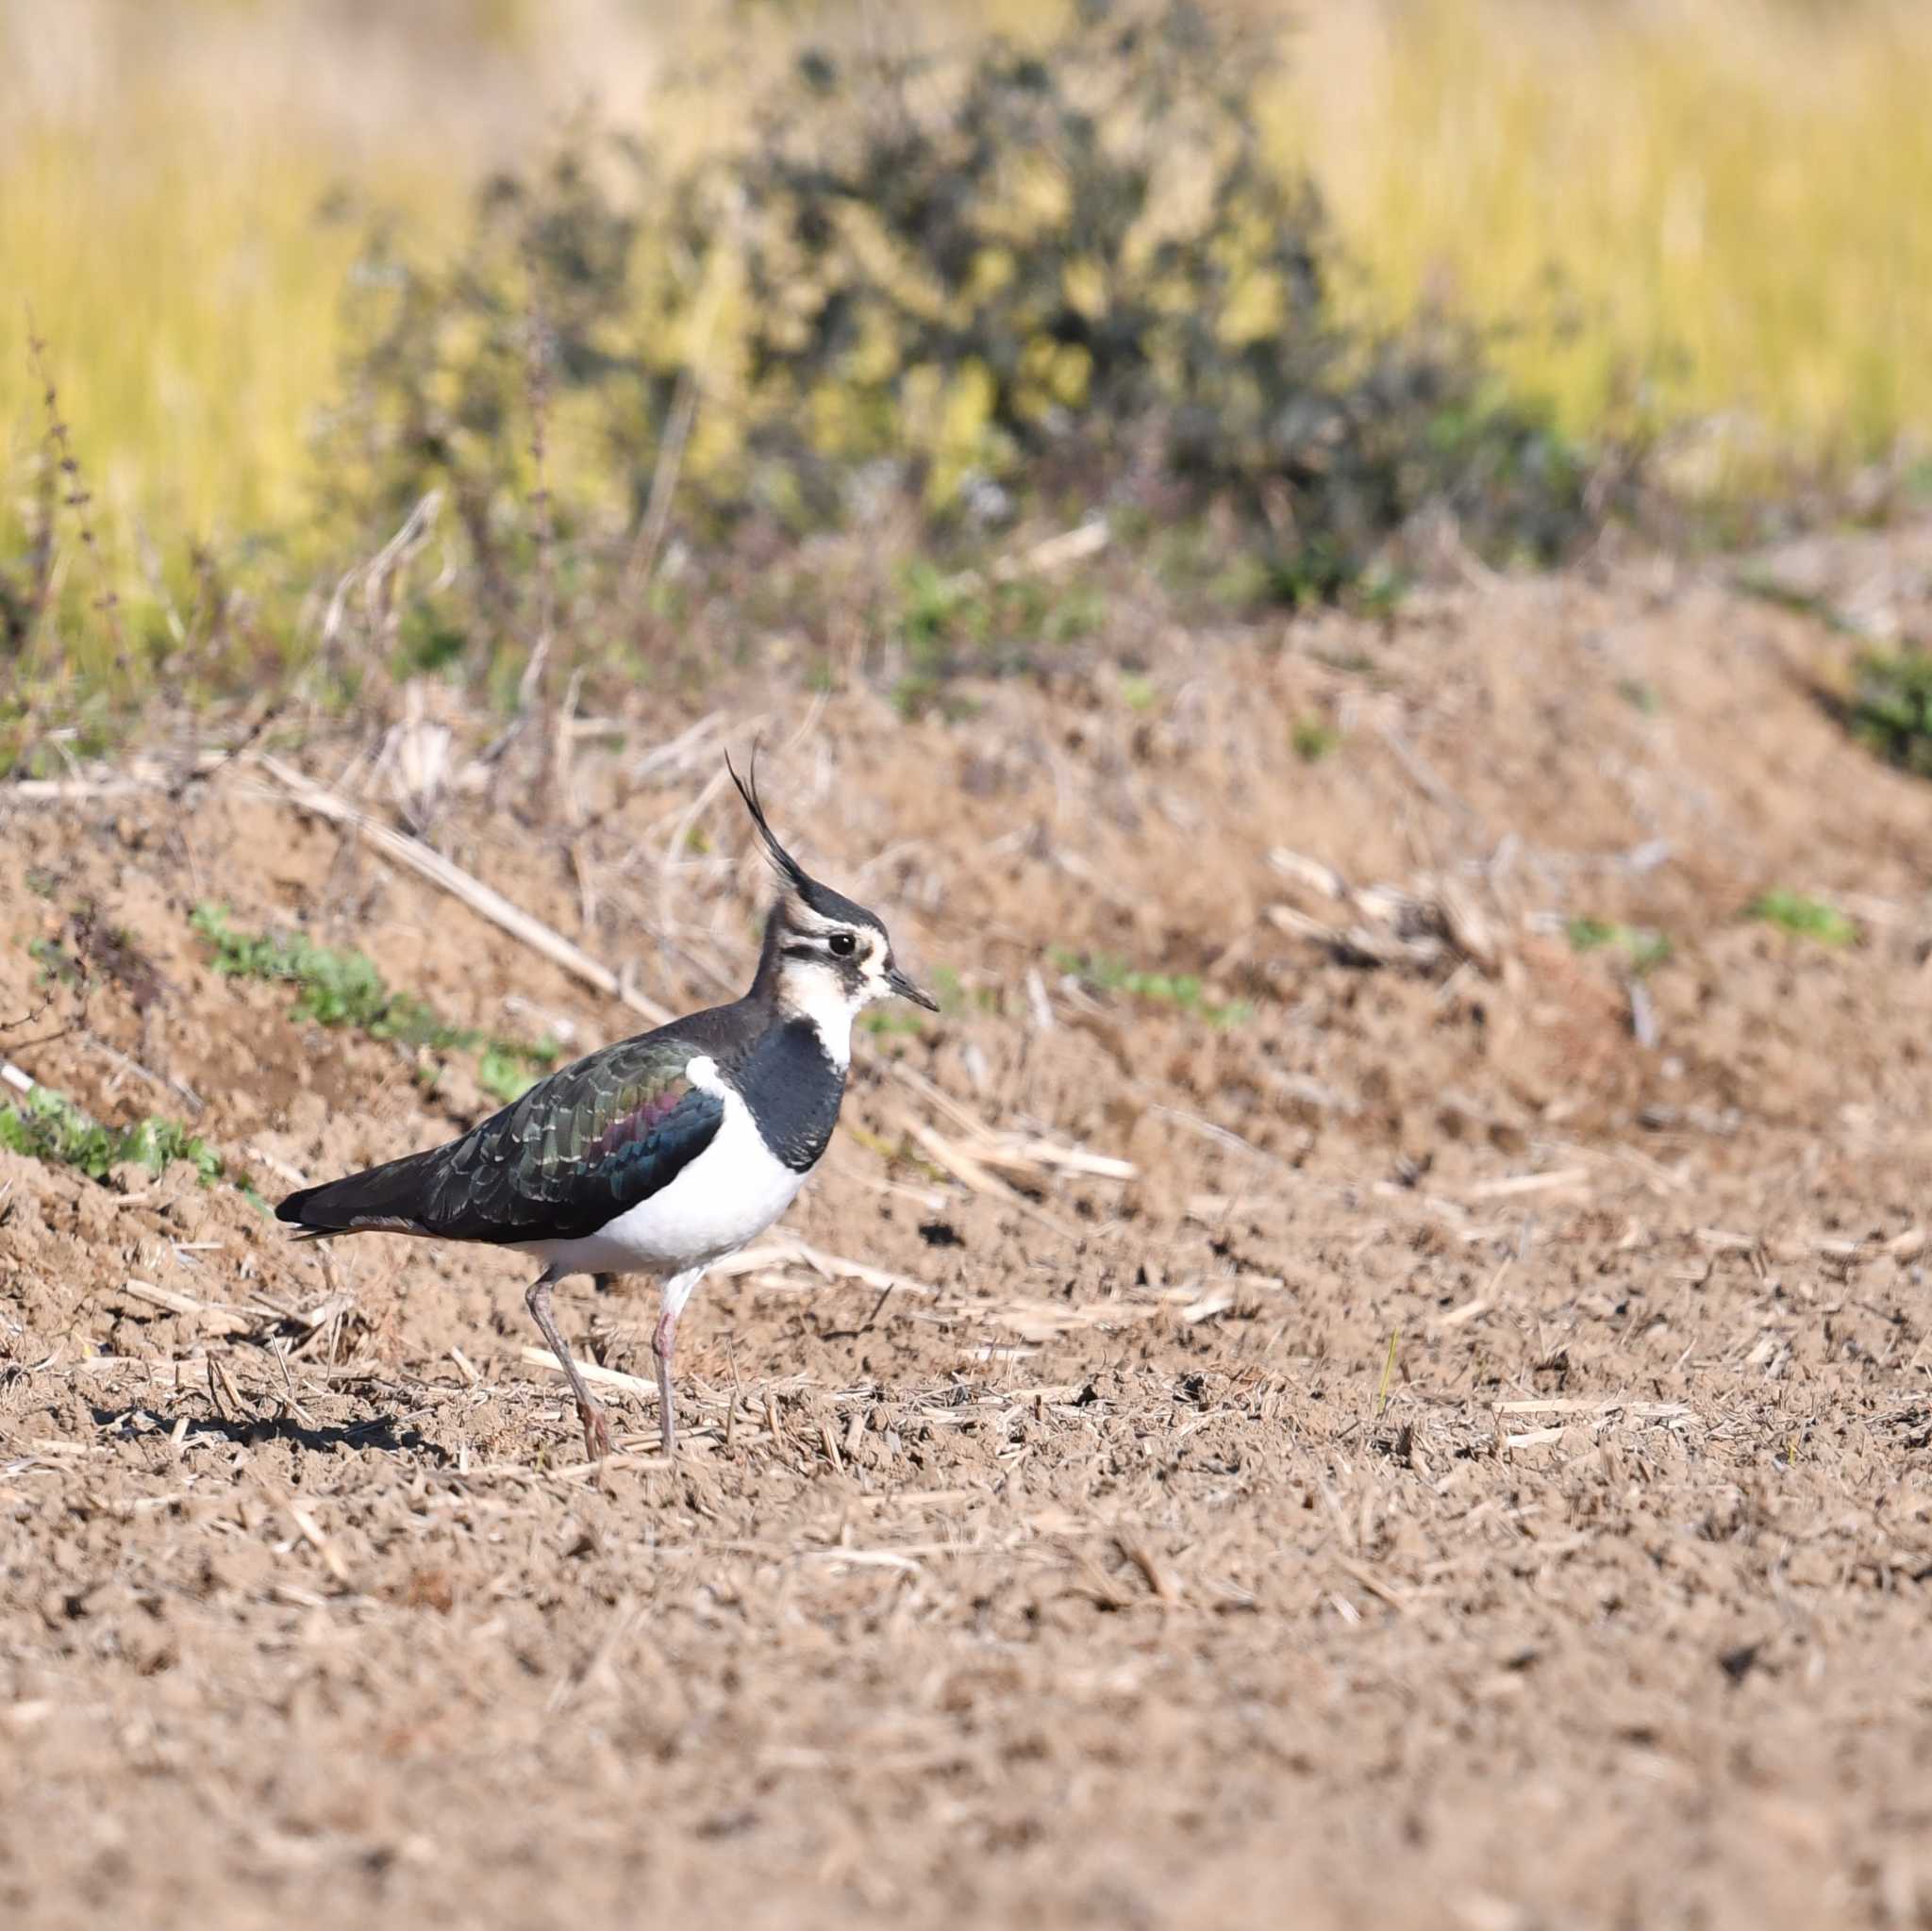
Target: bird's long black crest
{"x": 821, "y": 898}
{"x": 787, "y": 866}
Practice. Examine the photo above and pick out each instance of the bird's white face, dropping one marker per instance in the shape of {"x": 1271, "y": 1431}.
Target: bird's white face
{"x": 831, "y": 969}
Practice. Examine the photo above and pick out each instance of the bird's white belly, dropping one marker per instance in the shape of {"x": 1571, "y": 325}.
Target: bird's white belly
{"x": 728, "y": 1195}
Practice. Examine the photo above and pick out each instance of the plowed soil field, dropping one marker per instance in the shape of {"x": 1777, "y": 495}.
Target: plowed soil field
{"x": 1421, "y": 1426}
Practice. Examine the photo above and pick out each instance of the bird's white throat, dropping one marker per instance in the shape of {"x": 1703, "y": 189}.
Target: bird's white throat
{"x": 818, "y": 996}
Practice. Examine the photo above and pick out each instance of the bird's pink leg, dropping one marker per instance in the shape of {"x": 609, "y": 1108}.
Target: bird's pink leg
{"x": 590, "y": 1410}
{"x": 664, "y": 1345}
{"x": 677, "y": 1291}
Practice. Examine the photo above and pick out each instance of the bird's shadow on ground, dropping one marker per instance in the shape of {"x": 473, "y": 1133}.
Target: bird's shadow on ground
{"x": 380, "y": 1432}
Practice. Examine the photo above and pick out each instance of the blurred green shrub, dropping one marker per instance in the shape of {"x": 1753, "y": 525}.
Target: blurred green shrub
{"x": 489, "y": 378}
{"x": 968, "y": 282}
{"x": 1076, "y": 265}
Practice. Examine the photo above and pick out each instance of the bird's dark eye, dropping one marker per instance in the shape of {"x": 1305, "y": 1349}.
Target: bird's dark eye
{"x": 842, "y": 945}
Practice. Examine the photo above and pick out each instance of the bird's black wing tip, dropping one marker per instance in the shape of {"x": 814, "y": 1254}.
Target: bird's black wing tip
{"x": 295, "y": 1211}
{"x": 289, "y": 1208}
{"x": 361, "y": 1223}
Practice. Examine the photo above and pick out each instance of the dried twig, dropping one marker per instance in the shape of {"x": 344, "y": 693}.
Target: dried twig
{"x": 1596, "y": 1405}
{"x": 278, "y": 1167}
{"x": 537, "y": 378}
{"x": 218, "y": 1319}
{"x": 1534, "y": 1437}
{"x": 1070, "y": 546}
{"x": 964, "y": 1168}
{"x": 375, "y": 574}
{"x": 1514, "y": 1183}
{"x": 1417, "y": 769}
{"x": 303, "y": 1515}
{"x": 831, "y": 1266}
{"x": 535, "y": 1356}
{"x": 1435, "y": 921}
{"x": 160, "y": 1082}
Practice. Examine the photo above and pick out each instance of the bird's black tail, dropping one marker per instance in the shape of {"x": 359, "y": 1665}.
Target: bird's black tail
{"x": 380, "y": 1199}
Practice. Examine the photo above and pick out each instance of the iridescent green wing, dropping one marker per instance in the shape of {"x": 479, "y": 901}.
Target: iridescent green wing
{"x": 578, "y": 1149}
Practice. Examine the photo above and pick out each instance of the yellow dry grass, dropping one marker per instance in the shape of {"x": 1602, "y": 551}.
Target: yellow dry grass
{"x": 1727, "y": 199}
{"x": 1728, "y": 193}
{"x": 188, "y": 309}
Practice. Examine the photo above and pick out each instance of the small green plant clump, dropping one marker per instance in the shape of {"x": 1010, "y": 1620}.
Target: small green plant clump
{"x": 506, "y": 1070}
{"x": 47, "y": 1126}
{"x": 1182, "y": 991}
{"x": 1313, "y": 739}
{"x": 1891, "y": 706}
{"x": 1642, "y": 949}
{"x": 56, "y": 969}
{"x": 343, "y": 987}
{"x": 960, "y": 624}
{"x": 1808, "y": 918}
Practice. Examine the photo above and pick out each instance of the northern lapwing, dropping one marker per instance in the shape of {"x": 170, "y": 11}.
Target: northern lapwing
{"x": 664, "y": 1152}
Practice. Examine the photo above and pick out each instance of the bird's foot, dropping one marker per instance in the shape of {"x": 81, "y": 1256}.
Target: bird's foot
{"x": 597, "y": 1431}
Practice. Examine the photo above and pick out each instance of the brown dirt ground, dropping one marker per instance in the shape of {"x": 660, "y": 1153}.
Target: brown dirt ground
{"x": 1096, "y": 1576}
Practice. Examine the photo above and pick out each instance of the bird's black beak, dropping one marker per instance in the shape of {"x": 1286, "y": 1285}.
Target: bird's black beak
{"x": 906, "y": 990}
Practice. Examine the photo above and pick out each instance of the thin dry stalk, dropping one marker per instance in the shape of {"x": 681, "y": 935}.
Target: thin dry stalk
{"x": 643, "y": 563}
{"x": 114, "y": 1057}
{"x": 676, "y": 755}
{"x": 303, "y": 1515}
{"x": 1074, "y": 545}
{"x": 969, "y": 1172}
{"x": 672, "y": 865}
{"x": 543, "y": 515}
{"x": 597, "y": 1669}
{"x": 1596, "y": 1405}
{"x": 75, "y": 496}
{"x": 376, "y": 576}
{"x": 1514, "y": 1183}
{"x": 1418, "y": 771}
{"x": 280, "y": 1351}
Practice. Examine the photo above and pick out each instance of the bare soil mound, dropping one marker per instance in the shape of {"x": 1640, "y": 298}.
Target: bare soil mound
{"x": 1472, "y": 1470}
